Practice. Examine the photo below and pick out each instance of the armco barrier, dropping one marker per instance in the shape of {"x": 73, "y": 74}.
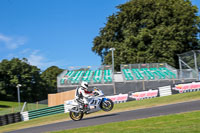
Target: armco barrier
{"x": 42, "y": 112}
{"x": 46, "y": 111}
{"x": 10, "y": 118}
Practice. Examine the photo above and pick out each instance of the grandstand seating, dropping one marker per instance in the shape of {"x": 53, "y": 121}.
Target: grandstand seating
{"x": 97, "y": 76}
{"x": 148, "y": 73}
{"x": 158, "y": 73}
{"x": 128, "y": 75}
{"x": 77, "y": 77}
{"x": 168, "y": 73}
{"x": 67, "y": 76}
{"x": 107, "y": 76}
{"x": 62, "y": 81}
{"x": 137, "y": 74}
{"x": 87, "y": 76}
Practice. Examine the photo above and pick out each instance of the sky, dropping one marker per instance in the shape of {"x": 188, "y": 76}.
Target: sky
{"x": 54, "y": 32}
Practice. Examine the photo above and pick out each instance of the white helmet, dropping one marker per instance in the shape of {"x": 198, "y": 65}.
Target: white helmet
{"x": 84, "y": 85}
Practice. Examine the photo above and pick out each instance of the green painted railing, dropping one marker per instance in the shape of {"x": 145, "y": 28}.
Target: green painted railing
{"x": 46, "y": 111}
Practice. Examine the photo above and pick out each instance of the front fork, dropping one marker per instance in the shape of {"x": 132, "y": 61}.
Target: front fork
{"x": 103, "y": 102}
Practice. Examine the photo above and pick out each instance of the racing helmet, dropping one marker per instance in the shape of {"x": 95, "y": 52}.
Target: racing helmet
{"x": 84, "y": 85}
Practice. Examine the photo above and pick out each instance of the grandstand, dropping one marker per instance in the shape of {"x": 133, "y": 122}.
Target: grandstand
{"x": 102, "y": 75}
{"x": 154, "y": 71}
{"x": 132, "y": 77}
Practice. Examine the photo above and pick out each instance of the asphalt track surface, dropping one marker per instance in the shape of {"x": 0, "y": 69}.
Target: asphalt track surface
{"x": 116, "y": 117}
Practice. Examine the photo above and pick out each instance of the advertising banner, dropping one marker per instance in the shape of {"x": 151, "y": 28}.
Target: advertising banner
{"x": 119, "y": 98}
{"x": 144, "y": 94}
{"x": 182, "y": 88}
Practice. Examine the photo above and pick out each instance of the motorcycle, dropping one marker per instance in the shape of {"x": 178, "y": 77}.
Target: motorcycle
{"x": 96, "y": 103}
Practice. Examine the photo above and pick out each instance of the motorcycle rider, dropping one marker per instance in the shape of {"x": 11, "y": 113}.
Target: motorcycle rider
{"x": 84, "y": 94}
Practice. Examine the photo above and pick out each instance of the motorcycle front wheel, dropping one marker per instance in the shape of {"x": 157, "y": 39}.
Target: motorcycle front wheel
{"x": 107, "y": 105}
{"x": 76, "y": 116}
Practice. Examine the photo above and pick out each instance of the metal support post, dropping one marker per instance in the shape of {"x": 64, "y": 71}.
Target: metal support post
{"x": 18, "y": 94}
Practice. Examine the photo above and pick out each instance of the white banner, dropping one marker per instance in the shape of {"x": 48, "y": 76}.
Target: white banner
{"x": 181, "y": 88}
{"x": 118, "y": 98}
{"x": 144, "y": 94}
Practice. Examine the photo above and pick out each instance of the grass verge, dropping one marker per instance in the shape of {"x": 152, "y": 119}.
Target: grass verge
{"x": 6, "y": 104}
{"x": 7, "y": 107}
{"x": 118, "y": 108}
{"x": 178, "y": 123}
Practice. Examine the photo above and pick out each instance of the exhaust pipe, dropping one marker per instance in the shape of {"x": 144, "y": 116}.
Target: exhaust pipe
{"x": 75, "y": 111}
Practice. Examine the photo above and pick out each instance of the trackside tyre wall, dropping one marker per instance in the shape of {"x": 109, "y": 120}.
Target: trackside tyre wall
{"x": 10, "y": 118}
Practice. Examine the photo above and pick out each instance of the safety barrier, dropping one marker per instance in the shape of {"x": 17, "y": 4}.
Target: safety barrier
{"x": 10, "y": 118}
{"x": 119, "y": 98}
{"x": 28, "y": 115}
{"x": 144, "y": 95}
{"x": 188, "y": 87}
{"x": 165, "y": 91}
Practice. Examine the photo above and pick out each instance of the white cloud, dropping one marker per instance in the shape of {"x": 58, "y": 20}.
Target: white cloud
{"x": 37, "y": 59}
{"x": 12, "y": 42}
{"x": 25, "y": 51}
{"x": 4, "y": 38}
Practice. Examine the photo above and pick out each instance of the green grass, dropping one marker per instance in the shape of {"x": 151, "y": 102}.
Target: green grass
{"x": 117, "y": 108}
{"x": 11, "y": 107}
{"x": 6, "y": 104}
{"x": 178, "y": 123}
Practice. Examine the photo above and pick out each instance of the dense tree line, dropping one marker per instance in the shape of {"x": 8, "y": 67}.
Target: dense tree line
{"x": 149, "y": 31}
{"x": 35, "y": 84}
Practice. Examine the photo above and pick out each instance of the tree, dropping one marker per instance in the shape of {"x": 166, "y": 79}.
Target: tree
{"x": 149, "y": 31}
{"x": 49, "y": 76}
{"x": 18, "y": 71}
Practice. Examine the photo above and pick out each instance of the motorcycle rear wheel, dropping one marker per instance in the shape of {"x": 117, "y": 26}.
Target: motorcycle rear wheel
{"x": 76, "y": 116}
{"x": 107, "y": 105}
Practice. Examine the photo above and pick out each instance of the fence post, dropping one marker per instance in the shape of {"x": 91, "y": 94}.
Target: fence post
{"x": 143, "y": 85}
{"x": 12, "y": 110}
{"x": 37, "y": 105}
